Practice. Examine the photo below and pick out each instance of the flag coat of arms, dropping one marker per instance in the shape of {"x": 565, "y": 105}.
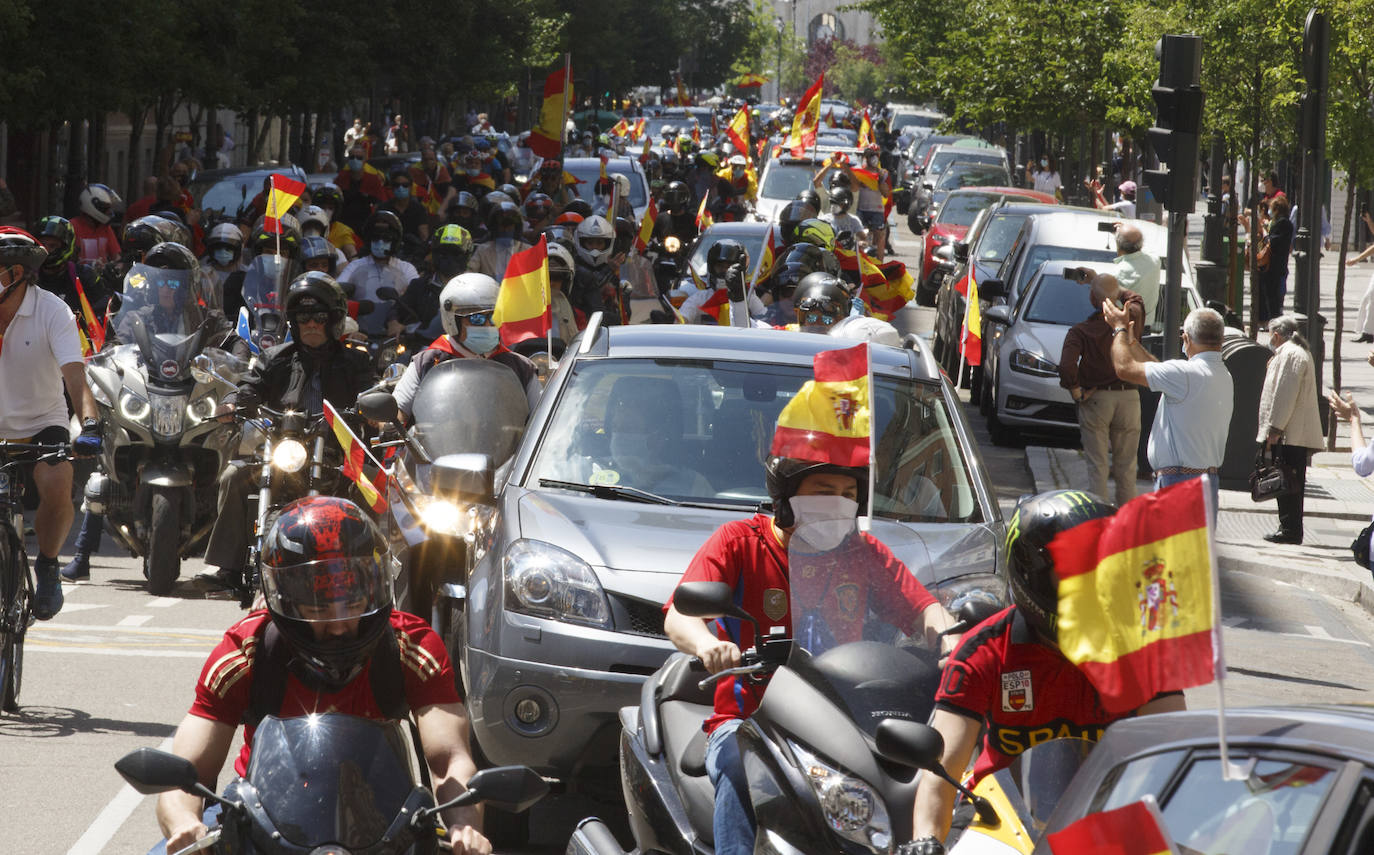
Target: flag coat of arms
{"x": 829, "y": 418}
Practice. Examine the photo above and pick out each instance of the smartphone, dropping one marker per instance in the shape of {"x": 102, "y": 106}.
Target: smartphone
{"x": 1073, "y": 274}
{"x": 1107, "y": 226}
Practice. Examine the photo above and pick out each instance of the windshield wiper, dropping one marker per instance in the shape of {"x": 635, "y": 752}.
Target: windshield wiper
{"x": 609, "y": 491}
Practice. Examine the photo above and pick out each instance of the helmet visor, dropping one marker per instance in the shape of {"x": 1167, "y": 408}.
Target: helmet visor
{"x": 335, "y": 589}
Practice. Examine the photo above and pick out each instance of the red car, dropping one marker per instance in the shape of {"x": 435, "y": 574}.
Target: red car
{"x": 951, "y": 223}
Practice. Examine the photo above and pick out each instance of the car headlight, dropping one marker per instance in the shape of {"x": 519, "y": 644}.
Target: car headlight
{"x": 440, "y": 516}
{"x": 546, "y": 581}
{"x": 1032, "y": 363}
{"x": 289, "y": 456}
{"x": 134, "y": 409}
{"x": 954, "y": 593}
{"x": 852, "y": 808}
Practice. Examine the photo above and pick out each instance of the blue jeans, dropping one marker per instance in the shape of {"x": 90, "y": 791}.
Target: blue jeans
{"x": 88, "y": 538}
{"x": 1162, "y": 481}
{"x": 732, "y": 822}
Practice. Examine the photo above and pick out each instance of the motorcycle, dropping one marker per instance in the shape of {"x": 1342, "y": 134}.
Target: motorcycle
{"x": 329, "y": 783}
{"x": 163, "y": 449}
{"x": 842, "y": 679}
{"x": 1023, "y": 796}
{"x": 669, "y": 264}
{"x": 262, "y": 318}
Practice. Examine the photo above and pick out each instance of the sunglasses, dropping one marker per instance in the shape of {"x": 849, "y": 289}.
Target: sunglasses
{"x": 478, "y": 319}
{"x": 320, "y": 318}
{"x": 401, "y": 184}
{"x": 811, "y": 318}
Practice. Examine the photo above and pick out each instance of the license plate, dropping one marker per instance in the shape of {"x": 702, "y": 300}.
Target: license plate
{"x": 168, "y": 414}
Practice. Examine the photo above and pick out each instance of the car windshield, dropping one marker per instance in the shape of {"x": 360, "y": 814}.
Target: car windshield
{"x": 944, "y": 158}
{"x": 752, "y": 241}
{"x": 698, "y": 431}
{"x": 1057, "y": 300}
{"x": 589, "y": 174}
{"x": 1042, "y": 253}
{"x": 229, "y": 195}
{"x": 968, "y": 175}
{"x": 902, "y": 121}
{"x": 960, "y": 209}
{"x": 999, "y": 236}
{"x": 786, "y": 180}
{"x": 654, "y": 127}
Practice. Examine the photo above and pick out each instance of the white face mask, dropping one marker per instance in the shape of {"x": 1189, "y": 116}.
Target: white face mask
{"x": 823, "y": 522}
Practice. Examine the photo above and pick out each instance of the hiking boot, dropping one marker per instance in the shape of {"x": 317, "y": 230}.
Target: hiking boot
{"x": 78, "y": 569}
{"x": 47, "y": 596}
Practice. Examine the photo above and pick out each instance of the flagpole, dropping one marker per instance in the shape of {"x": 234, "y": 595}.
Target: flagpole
{"x": 866, "y": 521}
{"x": 1229, "y": 771}
{"x": 567, "y": 87}
{"x": 548, "y": 301}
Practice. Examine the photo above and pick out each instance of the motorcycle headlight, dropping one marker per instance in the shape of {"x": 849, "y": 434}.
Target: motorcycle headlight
{"x": 1032, "y": 363}
{"x": 201, "y": 409}
{"x": 671, "y": 243}
{"x": 954, "y": 593}
{"x": 169, "y": 413}
{"x": 441, "y": 516}
{"x": 289, "y": 456}
{"x": 546, "y": 581}
{"x": 851, "y": 807}
{"x": 134, "y": 409}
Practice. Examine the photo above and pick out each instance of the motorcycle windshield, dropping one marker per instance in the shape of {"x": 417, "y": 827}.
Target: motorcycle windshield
{"x": 164, "y": 302}
{"x": 265, "y": 281}
{"x": 1043, "y": 773}
{"x": 470, "y": 406}
{"x": 857, "y": 623}
{"x": 332, "y": 778}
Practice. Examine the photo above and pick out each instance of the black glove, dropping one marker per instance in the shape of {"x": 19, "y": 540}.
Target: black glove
{"x": 88, "y": 441}
{"x": 924, "y": 846}
{"x": 734, "y": 283}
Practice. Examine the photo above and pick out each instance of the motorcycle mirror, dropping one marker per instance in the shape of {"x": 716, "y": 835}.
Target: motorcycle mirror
{"x": 150, "y": 771}
{"x": 365, "y": 307}
{"x": 469, "y": 478}
{"x": 509, "y": 788}
{"x": 974, "y": 611}
{"x": 921, "y": 746}
{"x": 377, "y": 406}
{"x": 393, "y": 371}
{"x": 348, "y": 288}
{"x": 204, "y": 371}
{"x": 388, "y": 293}
{"x": 709, "y": 600}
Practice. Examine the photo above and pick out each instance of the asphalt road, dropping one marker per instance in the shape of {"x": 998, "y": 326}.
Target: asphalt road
{"x": 115, "y": 671}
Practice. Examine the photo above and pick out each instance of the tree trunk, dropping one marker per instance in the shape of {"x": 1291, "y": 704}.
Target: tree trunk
{"x": 133, "y": 178}
{"x": 284, "y": 140}
{"x": 1346, "y": 228}
{"x": 260, "y": 139}
{"x": 1252, "y": 160}
{"x": 1235, "y": 277}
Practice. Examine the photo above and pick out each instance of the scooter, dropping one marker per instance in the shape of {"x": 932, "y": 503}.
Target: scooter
{"x": 845, "y": 682}
{"x": 329, "y": 783}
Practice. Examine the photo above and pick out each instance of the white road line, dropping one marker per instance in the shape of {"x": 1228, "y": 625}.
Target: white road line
{"x": 103, "y": 829}
{"x": 1233, "y": 621}
{"x": 38, "y": 629}
{"x": 68, "y": 608}
{"x": 162, "y": 602}
{"x": 135, "y": 620}
{"x": 1328, "y": 637}
{"x": 36, "y": 647}
{"x": 1318, "y": 631}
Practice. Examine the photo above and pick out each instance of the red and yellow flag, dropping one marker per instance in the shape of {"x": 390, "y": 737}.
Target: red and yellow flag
{"x": 372, "y": 490}
{"x": 546, "y": 140}
{"x": 646, "y": 227}
{"x": 1133, "y": 829}
{"x": 865, "y": 131}
{"x": 807, "y": 119}
{"x": 830, "y": 118}
{"x": 620, "y": 129}
{"x": 94, "y": 330}
{"x": 749, "y": 81}
{"x": 604, "y": 159}
{"x": 638, "y": 130}
{"x": 971, "y": 344}
{"x": 828, "y": 420}
{"x": 889, "y": 291}
{"x": 522, "y": 305}
{"x": 682, "y": 99}
{"x": 718, "y": 307}
{"x": 284, "y": 193}
{"x": 704, "y": 218}
{"x": 738, "y": 132}
{"x": 1137, "y": 597}
{"x": 768, "y": 256}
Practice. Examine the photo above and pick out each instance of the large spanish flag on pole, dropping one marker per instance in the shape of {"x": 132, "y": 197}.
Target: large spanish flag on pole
{"x": 522, "y": 305}
{"x": 1138, "y": 609}
{"x": 806, "y": 120}
{"x": 865, "y": 132}
{"x": 738, "y": 132}
{"x": 546, "y": 140}
{"x": 284, "y": 193}
{"x": 1133, "y": 829}
{"x": 829, "y": 419}
{"x": 372, "y": 490}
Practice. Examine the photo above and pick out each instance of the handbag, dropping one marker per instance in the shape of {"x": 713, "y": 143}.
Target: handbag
{"x": 1270, "y": 478}
{"x": 1360, "y": 546}
{"x": 1262, "y": 257}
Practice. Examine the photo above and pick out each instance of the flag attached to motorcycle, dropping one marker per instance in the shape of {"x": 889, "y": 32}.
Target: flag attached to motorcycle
{"x": 1138, "y": 605}
{"x": 889, "y": 291}
{"x": 546, "y": 139}
{"x": 523, "y": 309}
{"x": 646, "y": 227}
{"x": 283, "y": 194}
{"x": 807, "y": 119}
{"x": 828, "y": 420}
{"x": 356, "y": 460}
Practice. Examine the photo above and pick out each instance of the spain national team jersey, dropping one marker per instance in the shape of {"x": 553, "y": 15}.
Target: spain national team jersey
{"x": 223, "y": 692}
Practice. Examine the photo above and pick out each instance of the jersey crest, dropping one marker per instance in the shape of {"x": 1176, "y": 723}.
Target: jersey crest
{"x": 1017, "y": 693}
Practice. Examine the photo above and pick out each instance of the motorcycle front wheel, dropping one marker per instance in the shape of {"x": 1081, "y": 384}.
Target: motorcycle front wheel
{"x": 163, "y": 561}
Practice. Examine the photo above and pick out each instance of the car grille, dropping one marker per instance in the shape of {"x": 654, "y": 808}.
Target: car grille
{"x": 639, "y": 617}
{"x": 1058, "y": 413}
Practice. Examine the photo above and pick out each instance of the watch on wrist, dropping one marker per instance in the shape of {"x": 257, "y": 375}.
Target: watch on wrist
{"x": 923, "y": 846}
{"x": 1116, "y": 330}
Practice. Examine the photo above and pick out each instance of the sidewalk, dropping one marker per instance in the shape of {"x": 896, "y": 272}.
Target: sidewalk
{"x": 1338, "y": 502}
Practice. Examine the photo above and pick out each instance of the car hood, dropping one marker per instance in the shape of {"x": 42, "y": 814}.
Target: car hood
{"x": 1045, "y": 339}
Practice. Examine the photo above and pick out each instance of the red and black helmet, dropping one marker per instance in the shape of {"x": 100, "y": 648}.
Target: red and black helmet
{"x": 326, "y": 587}
{"x": 19, "y": 247}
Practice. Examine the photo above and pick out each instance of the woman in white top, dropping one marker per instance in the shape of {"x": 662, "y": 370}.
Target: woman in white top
{"x": 1361, "y": 454}
{"x": 1365, "y": 320}
{"x": 1044, "y": 177}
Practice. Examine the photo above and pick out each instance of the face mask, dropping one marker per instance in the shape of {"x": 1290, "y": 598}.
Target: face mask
{"x": 481, "y": 339}
{"x": 355, "y": 163}
{"x": 222, "y": 256}
{"x": 472, "y": 171}
{"x": 1044, "y": 162}
{"x": 823, "y": 522}
{"x": 629, "y": 445}
{"x": 380, "y": 248}
{"x": 400, "y": 192}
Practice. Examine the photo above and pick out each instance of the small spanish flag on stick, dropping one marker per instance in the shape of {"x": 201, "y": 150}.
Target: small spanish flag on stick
{"x": 356, "y": 458}
{"x": 646, "y": 227}
{"x": 285, "y": 191}
{"x": 523, "y": 303}
{"x": 1133, "y": 829}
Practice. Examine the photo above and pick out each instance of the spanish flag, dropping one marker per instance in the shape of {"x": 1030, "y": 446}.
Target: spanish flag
{"x": 638, "y": 130}
{"x": 768, "y": 256}
{"x": 696, "y": 134}
{"x": 94, "y": 330}
{"x": 807, "y": 119}
{"x": 738, "y": 132}
{"x": 704, "y": 218}
{"x": 372, "y": 490}
{"x": 890, "y": 291}
{"x": 284, "y": 193}
{"x": 749, "y": 81}
{"x": 871, "y": 180}
{"x": 971, "y": 345}
{"x": 1132, "y": 829}
{"x": 646, "y": 227}
{"x": 546, "y": 140}
{"x": 865, "y": 131}
{"x": 682, "y": 99}
{"x": 830, "y": 118}
{"x": 1137, "y": 597}
{"x": 620, "y": 129}
{"x": 522, "y": 305}
{"x": 718, "y": 307}
{"x": 828, "y": 420}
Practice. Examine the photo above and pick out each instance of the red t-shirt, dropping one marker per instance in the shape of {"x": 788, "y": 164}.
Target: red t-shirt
{"x": 747, "y": 555}
{"x": 1024, "y": 691}
{"x": 95, "y": 242}
{"x": 223, "y": 693}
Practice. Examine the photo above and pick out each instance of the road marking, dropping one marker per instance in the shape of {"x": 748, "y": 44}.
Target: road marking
{"x": 153, "y": 653}
{"x": 135, "y": 620}
{"x": 1326, "y": 637}
{"x": 40, "y": 628}
{"x": 1233, "y": 621}
{"x": 162, "y": 602}
{"x": 82, "y": 607}
{"x": 1317, "y": 631}
{"x": 103, "y": 829}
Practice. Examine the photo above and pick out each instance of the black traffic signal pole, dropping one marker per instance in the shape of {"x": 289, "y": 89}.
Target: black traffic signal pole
{"x": 1178, "y": 110}
{"x": 1307, "y": 243}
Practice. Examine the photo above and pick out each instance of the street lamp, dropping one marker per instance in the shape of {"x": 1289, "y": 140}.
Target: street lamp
{"x": 777, "y": 21}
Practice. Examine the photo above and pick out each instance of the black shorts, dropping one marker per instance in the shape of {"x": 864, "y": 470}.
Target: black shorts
{"x": 873, "y": 220}
{"x": 52, "y": 436}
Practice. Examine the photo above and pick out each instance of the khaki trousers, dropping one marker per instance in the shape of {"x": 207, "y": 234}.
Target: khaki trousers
{"x": 1109, "y": 422}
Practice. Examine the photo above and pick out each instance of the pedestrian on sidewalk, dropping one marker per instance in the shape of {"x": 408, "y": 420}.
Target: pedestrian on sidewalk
{"x": 1137, "y": 270}
{"x": 1188, "y": 437}
{"x": 1361, "y": 454}
{"x": 1290, "y": 426}
{"x": 1365, "y": 319}
{"x": 1108, "y": 407}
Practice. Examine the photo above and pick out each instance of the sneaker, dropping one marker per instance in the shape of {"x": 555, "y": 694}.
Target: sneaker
{"x": 223, "y": 579}
{"x": 78, "y": 569}
{"x": 47, "y": 598}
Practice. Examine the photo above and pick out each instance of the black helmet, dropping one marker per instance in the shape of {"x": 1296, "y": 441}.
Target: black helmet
{"x": 807, "y": 256}
{"x": 450, "y": 247}
{"x": 384, "y": 225}
{"x": 538, "y": 207}
{"x": 315, "y": 248}
{"x": 792, "y": 215}
{"x": 725, "y": 253}
{"x": 841, "y": 200}
{"x": 676, "y": 197}
{"x": 327, "y": 196}
{"x": 581, "y": 207}
{"x": 505, "y": 215}
{"x": 289, "y": 240}
{"x": 823, "y": 295}
{"x": 59, "y": 228}
{"x": 19, "y": 247}
{"x": 785, "y": 475}
{"x": 1030, "y": 567}
{"x": 810, "y": 197}
{"x": 314, "y": 291}
{"x": 322, "y": 561}
{"x": 145, "y": 233}
{"x": 625, "y": 233}
{"x": 839, "y": 180}
{"x": 173, "y": 266}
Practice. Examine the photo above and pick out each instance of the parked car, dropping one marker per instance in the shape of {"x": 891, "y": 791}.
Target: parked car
{"x": 587, "y": 170}
{"x": 230, "y": 192}
{"x": 561, "y": 620}
{"x": 915, "y": 155}
{"x": 915, "y": 122}
{"x": 941, "y": 158}
{"x": 961, "y": 173}
{"x": 953, "y": 216}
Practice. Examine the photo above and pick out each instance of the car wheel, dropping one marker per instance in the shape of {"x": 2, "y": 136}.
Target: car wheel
{"x": 979, "y": 389}
{"x": 998, "y": 432}
{"x": 913, "y": 215}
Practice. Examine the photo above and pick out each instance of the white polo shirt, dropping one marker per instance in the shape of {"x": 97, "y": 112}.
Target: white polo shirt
{"x": 1194, "y": 414}
{"x": 39, "y": 341}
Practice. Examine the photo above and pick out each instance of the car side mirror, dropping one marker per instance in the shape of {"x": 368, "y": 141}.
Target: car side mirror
{"x": 945, "y": 254}
{"x": 377, "y": 406}
{"x": 960, "y": 251}
{"x": 992, "y": 288}
{"x": 467, "y": 478}
{"x": 997, "y": 315}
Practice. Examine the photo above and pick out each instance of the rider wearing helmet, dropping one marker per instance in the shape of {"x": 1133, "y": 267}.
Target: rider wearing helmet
{"x": 329, "y": 199}
{"x": 752, "y": 557}
{"x": 821, "y": 301}
{"x": 449, "y": 250}
{"x": 379, "y": 268}
{"x": 222, "y": 264}
{"x": 62, "y": 272}
{"x": 840, "y": 216}
{"x": 461, "y": 210}
{"x": 553, "y": 185}
{"x": 596, "y": 286}
{"x": 538, "y": 208}
{"x": 329, "y": 639}
{"x": 320, "y": 255}
{"x": 562, "y": 269}
{"x": 676, "y": 217}
{"x": 1020, "y": 643}
{"x": 506, "y": 227}
{"x": 727, "y": 269}
{"x": 466, "y": 306}
{"x": 792, "y": 215}
{"x": 743, "y": 182}
{"x": 95, "y": 240}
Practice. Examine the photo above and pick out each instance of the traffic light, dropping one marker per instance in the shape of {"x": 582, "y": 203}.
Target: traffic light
{"x": 1178, "y": 117}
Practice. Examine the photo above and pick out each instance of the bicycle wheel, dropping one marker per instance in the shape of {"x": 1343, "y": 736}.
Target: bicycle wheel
{"x": 16, "y": 593}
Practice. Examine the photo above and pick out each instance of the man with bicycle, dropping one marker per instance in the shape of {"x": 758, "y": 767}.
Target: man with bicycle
{"x": 40, "y": 353}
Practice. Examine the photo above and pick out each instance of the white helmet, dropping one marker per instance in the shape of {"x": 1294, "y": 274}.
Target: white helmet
{"x": 317, "y": 215}
{"x": 595, "y": 229}
{"x": 225, "y": 233}
{"x": 561, "y": 260}
{"x": 466, "y": 294}
{"x": 99, "y": 202}
{"x": 738, "y": 160}
{"x": 864, "y": 328}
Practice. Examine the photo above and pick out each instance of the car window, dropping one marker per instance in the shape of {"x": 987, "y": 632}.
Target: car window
{"x": 960, "y": 209}
{"x": 1057, "y": 300}
{"x": 786, "y": 180}
{"x": 965, "y": 175}
{"x": 590, "y": 174}
{"x": 752, "y": 242}
{"x": 697, "y": 430}
{"x": 1042, "y": 253}
{"x": 999, "y": 236}
{"x": 229, "y": 195}
{"x": 941, "y": 159}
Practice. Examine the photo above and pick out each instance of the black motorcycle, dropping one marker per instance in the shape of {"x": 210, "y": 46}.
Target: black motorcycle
{"x": 329, "y": 783}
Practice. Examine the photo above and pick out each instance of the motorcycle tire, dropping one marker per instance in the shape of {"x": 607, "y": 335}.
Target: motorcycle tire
{"x": 163, "y": 561}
